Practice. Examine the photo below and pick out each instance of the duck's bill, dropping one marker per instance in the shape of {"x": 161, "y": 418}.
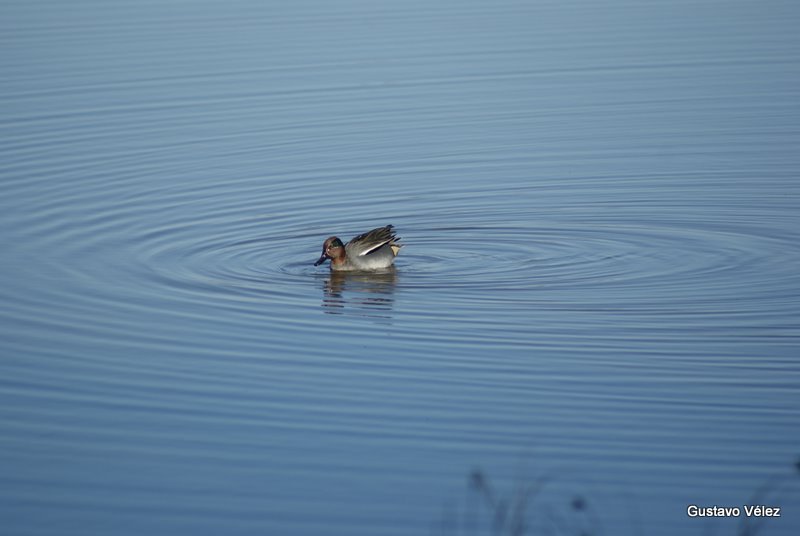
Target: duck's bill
{"x": 321, "y": 259}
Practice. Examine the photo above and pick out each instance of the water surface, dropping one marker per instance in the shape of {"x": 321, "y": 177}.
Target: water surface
{"x": 601, "y": 211}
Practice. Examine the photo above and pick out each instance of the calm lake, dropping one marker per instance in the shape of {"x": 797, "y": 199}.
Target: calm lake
{"x": 594, "y": 322}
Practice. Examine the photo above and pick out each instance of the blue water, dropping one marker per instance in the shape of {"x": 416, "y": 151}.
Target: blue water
{"x": 598, "y": 298}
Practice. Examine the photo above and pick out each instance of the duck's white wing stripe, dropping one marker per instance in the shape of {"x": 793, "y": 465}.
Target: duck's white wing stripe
{"x": 373, "y": 248}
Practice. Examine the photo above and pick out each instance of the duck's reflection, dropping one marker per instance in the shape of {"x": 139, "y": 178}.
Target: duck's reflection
{"x": 362, "y": 293}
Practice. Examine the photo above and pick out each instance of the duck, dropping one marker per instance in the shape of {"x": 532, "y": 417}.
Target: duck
{"x": 374, "y": 250}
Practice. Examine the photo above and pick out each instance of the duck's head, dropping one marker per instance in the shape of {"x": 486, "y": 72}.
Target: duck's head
{"x": 332, "y": 249}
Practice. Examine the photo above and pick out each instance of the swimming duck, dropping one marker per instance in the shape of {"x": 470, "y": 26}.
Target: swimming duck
{"x": 373, "y": 250}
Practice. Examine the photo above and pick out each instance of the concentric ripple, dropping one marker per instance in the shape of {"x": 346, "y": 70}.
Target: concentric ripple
{"x": 233, "y": 239}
